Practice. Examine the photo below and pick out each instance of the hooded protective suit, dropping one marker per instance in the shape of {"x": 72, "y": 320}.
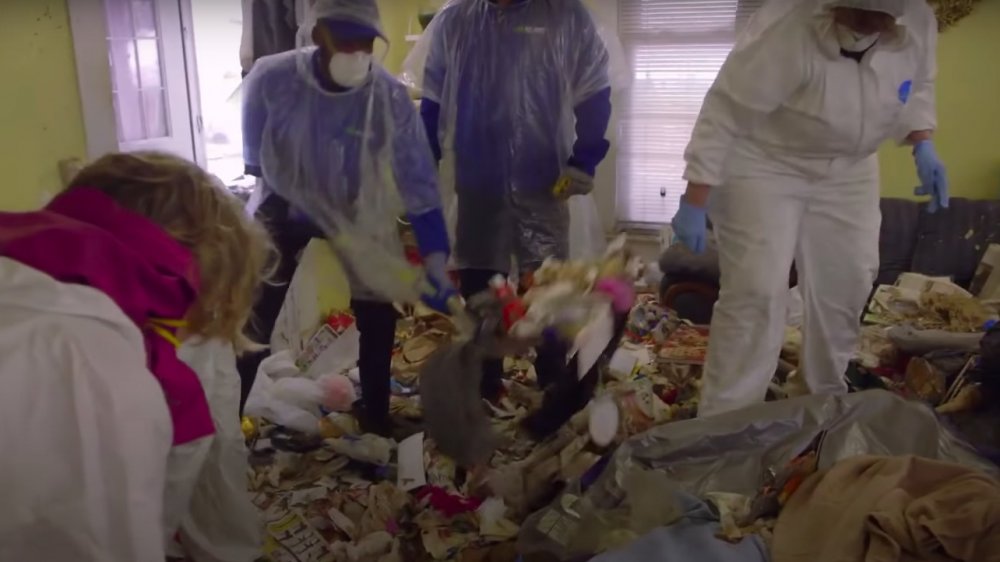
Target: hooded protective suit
{"x": 513, "y": 96}
{"x": 352, "y": 159}
{"x": 787, "y": 140}
{"x": 86, "y": 434}
{"x": 218, "y": 522}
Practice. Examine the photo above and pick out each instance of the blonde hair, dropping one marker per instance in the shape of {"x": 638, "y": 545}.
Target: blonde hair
{"x": 234, "y": 252}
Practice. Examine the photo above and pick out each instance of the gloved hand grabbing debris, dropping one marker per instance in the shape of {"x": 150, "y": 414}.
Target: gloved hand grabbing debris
{"x": 691, "y": 226}
{"x": 933, "y": 176}
{"x": 441, "y": 287}
{"x": 573, "y": 182}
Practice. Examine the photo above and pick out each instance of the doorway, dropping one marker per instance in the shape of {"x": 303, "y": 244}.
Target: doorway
{"x": 133, "y": 75}
{"x": 215, "y": 38}
{"x": 162, "y": 75}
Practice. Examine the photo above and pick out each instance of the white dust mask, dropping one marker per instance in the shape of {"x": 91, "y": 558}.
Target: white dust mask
{"x": 350, "y": 69}
{"x": 854, "y": 42}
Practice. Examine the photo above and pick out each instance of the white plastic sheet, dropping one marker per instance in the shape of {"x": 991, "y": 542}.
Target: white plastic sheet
{"x": 318, "y": 287}
{"x": 268, "y": 400}
{"x": 586, "y": 233}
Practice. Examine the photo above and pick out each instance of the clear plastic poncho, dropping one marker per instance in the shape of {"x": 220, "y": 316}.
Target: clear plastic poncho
{"x": 508, "y": 81}
{"x": 352, "y": 161}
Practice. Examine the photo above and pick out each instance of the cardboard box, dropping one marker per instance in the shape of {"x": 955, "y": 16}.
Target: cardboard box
{"x": 986, "y": 283}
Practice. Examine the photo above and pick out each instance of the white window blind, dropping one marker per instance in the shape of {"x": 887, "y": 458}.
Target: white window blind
{"x": 675, "y": 49}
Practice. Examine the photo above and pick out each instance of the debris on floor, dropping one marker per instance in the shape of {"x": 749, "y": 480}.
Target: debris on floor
{"x": 333, "y": 494}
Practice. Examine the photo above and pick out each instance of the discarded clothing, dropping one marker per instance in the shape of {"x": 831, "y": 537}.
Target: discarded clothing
{"x": 447, "y": 504}
{"x": 891, "y": 509}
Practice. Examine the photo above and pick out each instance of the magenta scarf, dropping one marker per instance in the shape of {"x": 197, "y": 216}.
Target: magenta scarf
{"x": 84, "y": 237}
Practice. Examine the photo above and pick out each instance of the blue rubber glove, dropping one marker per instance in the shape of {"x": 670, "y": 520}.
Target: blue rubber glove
{"x": 691, "y": 226}
{"x": 436, "y": 267}
{"x": 932, "y": 174}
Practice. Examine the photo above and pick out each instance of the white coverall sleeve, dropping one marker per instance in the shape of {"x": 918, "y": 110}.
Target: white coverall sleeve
{"x": 86, "y": 471}
{"x": 753, "y": 82}
{"x": 222, "y": 524}
{"x": 920, "y": 113}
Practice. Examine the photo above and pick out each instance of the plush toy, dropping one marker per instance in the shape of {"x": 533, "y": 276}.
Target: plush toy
{"x": 338, "y": 393}
{"x": 621, "y": 292}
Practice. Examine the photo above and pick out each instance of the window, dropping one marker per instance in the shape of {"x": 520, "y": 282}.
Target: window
{"x": 131, "y": 66}
{"x": 137, "y": 76}
{"x": 675, "y": 49}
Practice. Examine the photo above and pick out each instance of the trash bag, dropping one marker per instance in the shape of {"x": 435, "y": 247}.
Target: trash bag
{"x": 453, "y": 412}
{"x": 450, "y": 379}
{"x": 988, "y": 372}
{"x": 318, "y": 287}
{"x": 733, "y": 452}
{"x": 450, "y": 389}
{"x": 278, "y": 403}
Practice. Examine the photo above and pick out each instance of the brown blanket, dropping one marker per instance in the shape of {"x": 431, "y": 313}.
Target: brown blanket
{"x": 891, "y": 509}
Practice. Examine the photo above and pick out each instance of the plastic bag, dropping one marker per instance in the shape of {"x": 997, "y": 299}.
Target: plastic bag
{"x": 339, "y": 356}
{"x": 270, "y": 401}
{"x": 585, "y": 523}
{"x": 586, "y": 233}
{"x": 318, "y": 287}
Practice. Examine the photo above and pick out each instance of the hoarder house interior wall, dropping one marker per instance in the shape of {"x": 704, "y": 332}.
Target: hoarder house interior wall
{"x": 42, "y": 122}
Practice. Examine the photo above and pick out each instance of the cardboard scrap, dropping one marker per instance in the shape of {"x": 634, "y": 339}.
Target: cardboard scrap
{"x": 410, "y": 473}
{"x": 292, "y": 539}
{"x": 986, "y": 282}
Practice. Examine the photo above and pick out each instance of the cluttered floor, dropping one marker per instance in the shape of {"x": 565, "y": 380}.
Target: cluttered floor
{"x": 335, "y": 494}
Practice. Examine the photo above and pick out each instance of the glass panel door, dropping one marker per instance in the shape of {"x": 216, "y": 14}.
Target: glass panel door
{"x": 148, "y": 75}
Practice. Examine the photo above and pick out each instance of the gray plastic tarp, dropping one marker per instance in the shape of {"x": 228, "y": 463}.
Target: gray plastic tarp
{"x": 733, "y": 452}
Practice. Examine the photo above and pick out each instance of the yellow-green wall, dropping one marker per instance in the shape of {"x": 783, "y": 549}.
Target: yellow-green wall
{"x": 399, "y": 18}
{"x": 968, "y": 111}
{"x": 40, "y": 115}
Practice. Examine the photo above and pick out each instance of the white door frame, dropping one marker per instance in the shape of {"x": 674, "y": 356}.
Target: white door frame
{"x": 193, "y": 87}
{"x": 90, "y": 45}
{"x": 88, "y": 22}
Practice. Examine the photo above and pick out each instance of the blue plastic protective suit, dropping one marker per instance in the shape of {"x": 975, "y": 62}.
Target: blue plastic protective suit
{"x": 352, "y": 161}
{"x": 513, "y": 95}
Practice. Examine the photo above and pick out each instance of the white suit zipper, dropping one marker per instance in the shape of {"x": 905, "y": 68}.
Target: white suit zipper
{"x": 861, "y": 87}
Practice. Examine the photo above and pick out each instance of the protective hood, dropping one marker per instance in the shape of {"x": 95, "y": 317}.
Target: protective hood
{"x": 774, "y": 12}
{"x": 895, "y": 8}
{"x": 344, "y": 15}
{"x": 85, "y": 238}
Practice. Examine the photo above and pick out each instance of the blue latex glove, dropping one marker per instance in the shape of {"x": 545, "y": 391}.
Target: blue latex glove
{"x": 436, "y": 267}
{"x": 691, "y": 226}
{"x": 932, "y": 174}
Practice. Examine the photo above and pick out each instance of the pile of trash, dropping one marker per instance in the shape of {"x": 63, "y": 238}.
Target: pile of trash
{"x": 330, "y": 493}
{"x": 816, "y": 476}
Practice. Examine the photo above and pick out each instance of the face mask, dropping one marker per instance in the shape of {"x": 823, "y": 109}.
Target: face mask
{"x": 854, "y": 42}
{"x": 350, "y": 69}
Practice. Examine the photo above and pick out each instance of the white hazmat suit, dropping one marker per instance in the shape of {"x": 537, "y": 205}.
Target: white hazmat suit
{"x": 91, "y": 474}
{"x": 787, "y": 139}
{"x": 84, "y": 425}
